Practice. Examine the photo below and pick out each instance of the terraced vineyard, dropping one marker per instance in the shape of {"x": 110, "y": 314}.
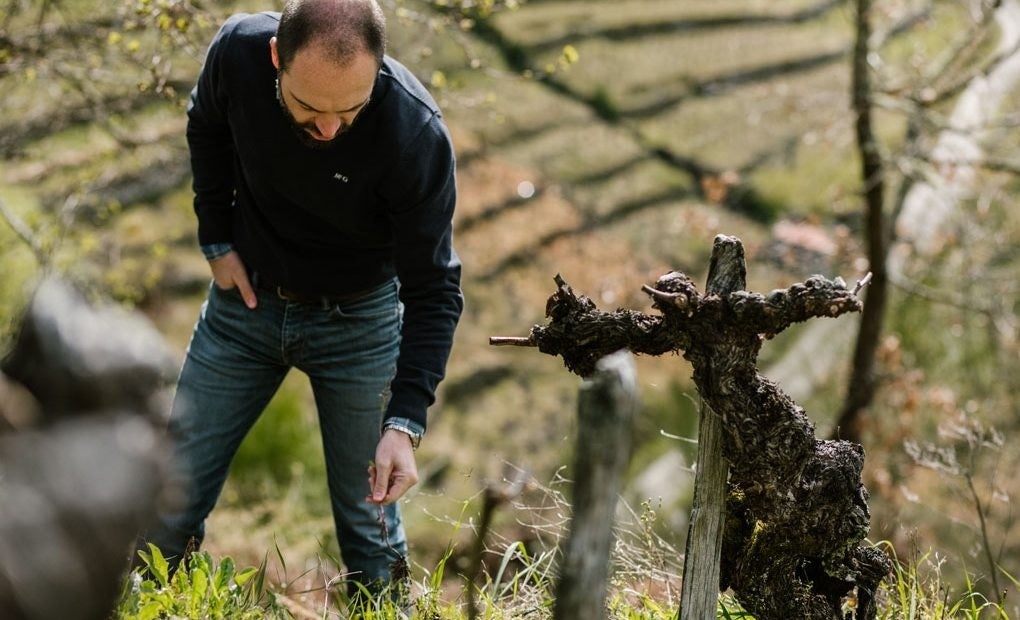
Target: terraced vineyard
{"x": 607, "y": 141}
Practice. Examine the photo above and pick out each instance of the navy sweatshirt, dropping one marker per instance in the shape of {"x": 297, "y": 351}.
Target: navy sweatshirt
{"x": 376, "y": 204}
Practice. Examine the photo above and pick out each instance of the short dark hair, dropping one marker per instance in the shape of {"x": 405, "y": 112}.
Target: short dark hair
{"x": 342, "y": 27}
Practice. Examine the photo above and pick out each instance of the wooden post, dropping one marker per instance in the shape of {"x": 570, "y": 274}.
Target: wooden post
{"x": 608, "y": 402}
{"x": 699, "y": 595}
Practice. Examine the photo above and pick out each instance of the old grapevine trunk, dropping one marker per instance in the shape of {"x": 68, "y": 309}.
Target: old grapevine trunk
{"x": 796, "y": 510}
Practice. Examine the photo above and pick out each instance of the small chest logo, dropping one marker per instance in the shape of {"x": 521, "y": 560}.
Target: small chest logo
{"x": 343, "y": 178}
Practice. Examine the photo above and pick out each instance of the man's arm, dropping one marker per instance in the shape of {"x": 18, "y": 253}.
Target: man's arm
{"x": 212, "y": 163}
{"x": 421, "y": 194}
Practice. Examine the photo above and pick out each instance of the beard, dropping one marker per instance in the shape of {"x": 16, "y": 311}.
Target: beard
{"x": 302, "y": 130}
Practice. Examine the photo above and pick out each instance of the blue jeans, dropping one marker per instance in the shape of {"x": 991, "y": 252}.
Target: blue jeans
{"x": 236, "y": 361}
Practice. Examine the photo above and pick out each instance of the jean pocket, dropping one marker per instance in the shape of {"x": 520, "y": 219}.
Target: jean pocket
{"x": 378, "y": 305}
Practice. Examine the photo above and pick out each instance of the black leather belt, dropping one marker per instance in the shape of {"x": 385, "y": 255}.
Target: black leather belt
{"x": 260, "y": 283}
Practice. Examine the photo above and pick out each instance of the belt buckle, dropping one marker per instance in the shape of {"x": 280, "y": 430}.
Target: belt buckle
{"x": 283, "y": 294}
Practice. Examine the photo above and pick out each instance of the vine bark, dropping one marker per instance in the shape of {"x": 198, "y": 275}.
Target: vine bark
{"x": 796, "y": 509}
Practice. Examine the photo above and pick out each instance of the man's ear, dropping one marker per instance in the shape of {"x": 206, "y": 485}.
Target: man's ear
{"x": 273, "y": 54}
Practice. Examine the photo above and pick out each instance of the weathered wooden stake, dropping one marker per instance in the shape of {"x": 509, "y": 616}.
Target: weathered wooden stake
{"x": 607, "y": 405}
{"x": 699, "y": 595}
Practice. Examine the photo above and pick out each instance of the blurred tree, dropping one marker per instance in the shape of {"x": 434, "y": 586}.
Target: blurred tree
{"x": 921, "y": 158}
{"x": 862, "y": 380}
{"x": 89, "y": 67}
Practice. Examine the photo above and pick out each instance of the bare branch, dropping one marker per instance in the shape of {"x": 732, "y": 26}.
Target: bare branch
{"x": 951, "y": 298}
{"x": 495, "y": 496}
{"x": 25, "y": 233}
{"x": 866, "y": 280}
{"x": 680, "y": 300}
{"x": 511, "y": 341}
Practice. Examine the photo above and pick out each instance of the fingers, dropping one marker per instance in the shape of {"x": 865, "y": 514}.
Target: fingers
{"x": 380, "y": 481}
{"x": 394, "y": 470}
{"x": 228, "y": 271}
{"x": 386, "y": 491}
{"x": 398, "y": 486}
{"x": 244, "y": 287}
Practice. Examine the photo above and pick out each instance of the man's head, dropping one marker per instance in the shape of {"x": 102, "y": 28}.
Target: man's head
{"x": 327, "y": 54}
{"x": 341, "y": 27}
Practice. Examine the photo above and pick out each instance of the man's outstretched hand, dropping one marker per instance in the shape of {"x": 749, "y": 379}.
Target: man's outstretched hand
{"x": 228, "y": 271}
{"x": 394, "y": 470}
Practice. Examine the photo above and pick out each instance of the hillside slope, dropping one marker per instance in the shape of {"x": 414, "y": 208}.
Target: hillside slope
{"x": 610, "y": 162}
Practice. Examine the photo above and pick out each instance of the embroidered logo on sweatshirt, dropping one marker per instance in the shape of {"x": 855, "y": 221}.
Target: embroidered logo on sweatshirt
{"x": 343, "y": 178}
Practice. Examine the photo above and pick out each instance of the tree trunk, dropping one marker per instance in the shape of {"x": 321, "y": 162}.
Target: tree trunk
{"x": 861, "y": 386}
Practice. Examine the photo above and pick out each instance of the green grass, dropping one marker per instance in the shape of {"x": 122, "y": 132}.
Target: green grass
{"x": 284, "y": 443}
{"x": 919, "y": 590}
{"x": 539, "y": 21}
{"x": 218, "y": 589}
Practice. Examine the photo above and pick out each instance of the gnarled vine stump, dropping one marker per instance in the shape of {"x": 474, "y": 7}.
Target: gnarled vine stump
{"x": 796, "y": 511}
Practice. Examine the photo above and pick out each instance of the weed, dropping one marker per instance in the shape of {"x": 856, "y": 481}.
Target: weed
{"x": 917, "y": 590}
{"x": 201, "y": 589}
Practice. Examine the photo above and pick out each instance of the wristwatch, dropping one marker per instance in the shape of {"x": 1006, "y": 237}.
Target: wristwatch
{"x": 415, "y": 437}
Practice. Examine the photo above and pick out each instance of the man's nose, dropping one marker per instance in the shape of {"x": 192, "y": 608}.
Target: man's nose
{"x": 328, "y": 125}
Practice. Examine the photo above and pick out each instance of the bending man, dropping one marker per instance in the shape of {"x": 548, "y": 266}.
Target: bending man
{"x": 324, "y": 191}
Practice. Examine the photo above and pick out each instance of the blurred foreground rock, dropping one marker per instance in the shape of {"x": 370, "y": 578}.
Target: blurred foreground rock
{"x": 82, "y": 465}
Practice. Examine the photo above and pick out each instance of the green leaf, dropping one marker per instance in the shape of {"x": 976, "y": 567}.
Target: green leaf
{"x": 150, "y": 611}
{"x": 279, "y": 554}
{"x": 199, "y": 587}
{"x": 242, "y": 577}
{"x": 158, "y": 565}
{"x": 202, "y": 561}
{"x": 261, "y": 581}
{"x": 225, "y": 574}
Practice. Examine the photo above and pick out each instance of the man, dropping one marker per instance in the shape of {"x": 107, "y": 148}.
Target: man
{"x": 324, "y": 191}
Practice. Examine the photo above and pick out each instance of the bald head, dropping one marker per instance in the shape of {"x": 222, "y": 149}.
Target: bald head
{"x": 339, "y": 28}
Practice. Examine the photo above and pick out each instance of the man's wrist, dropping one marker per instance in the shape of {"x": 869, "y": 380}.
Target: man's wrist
{"x": 412, "y": 429}
{"x": 213, "y": 251}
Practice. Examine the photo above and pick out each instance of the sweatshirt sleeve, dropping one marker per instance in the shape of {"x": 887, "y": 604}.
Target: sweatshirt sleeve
{"x": 211, "y": 144}
{"x": 421, "y": 194}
